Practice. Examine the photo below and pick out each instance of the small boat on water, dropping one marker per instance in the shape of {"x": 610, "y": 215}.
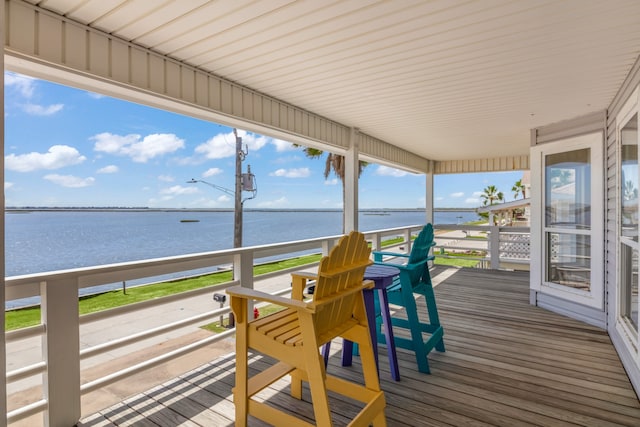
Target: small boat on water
{"x": 189, "y": 220}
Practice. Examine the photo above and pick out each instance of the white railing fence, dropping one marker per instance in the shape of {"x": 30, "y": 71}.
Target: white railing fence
{"x": 57, "y": 357}
{"x": 494, "y": 247}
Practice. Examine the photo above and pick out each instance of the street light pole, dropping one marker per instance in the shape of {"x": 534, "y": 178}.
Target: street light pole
{"x": 243, "y": 182}
{"x": 237, "y": 222}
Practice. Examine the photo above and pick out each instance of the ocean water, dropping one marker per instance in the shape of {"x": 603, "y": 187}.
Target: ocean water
{"x": 40, "y": 241}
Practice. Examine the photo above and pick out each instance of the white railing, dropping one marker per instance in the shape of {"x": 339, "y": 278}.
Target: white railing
{"x": 59, "y": 330}
{"x": 494, "y": 247}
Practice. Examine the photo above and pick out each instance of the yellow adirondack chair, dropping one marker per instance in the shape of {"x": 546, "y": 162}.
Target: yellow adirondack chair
{"x": 294, "y": 335}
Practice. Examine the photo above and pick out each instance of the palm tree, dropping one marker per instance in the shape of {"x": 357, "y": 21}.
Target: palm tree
{"x": 630, "y": 191}
{"x": 518, "y": 188}
{"x": 491, "y": 195}
{"x": 335, "y": 163}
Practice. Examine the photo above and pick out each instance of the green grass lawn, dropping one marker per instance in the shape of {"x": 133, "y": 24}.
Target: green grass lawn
{"x": 30, "y": 316}
{"x": 458, "y": 259}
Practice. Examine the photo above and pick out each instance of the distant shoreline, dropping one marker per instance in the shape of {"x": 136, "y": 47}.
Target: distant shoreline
{"x": 143, "y": 209}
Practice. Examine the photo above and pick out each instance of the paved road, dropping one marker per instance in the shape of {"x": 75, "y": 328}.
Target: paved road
{"x": 28, "y": 351}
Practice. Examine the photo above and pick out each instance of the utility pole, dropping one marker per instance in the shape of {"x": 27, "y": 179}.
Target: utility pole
{"x": 243, "y": 182}
{"x": 237, "y": 223}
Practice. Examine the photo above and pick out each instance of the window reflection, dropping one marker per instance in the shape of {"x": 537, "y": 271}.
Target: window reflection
{"x": 568, "y": 189}
{"x": 629, "y": 179}
{"x": 629, "y": 285}
{"x": 569, "y": 260}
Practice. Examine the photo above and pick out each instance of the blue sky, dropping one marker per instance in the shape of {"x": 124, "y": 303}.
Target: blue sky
{"x": 70, "y": 147}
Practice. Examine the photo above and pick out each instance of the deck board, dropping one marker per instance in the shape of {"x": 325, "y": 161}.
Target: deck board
{"x": 507, "y": 363}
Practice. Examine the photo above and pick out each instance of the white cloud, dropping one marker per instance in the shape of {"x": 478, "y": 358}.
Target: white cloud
{"x": 211, "y": 172}
{"x": 387, "y": 171}
{"x": 458, "y": 194}
{"x": 41, "y": 110}
{"x": 439, "y": 198}
{"x": 282, "y": 201}
{"x": 282, "y": 145}
{"x": 57, "y": 157}
{"x": 70, "y": 180}
{"x": 139, "y": 149}
{"x": 108, "y": 169}
{"x": 292, "y": 173}
{"x": 224, "y": 144}
{"x": 333, "y": 181}
{"x": 477, "y": 193}
{"x": 166, "y": 178}
{"x": 251, "y": 140}
{"x": 178, "y": 190}
{"x": 8, "y": 185}
{"x": 95, "y": 95}
{"x": 25, "y": 85}
{"x": 472, "y": 201}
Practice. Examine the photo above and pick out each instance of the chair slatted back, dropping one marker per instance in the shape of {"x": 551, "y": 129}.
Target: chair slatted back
{"x": 339, "y": 272}
{"x": 420, "y": 252}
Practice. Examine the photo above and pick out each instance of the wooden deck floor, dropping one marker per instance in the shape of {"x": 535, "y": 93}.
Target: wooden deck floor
{"x": 507, "y": 363}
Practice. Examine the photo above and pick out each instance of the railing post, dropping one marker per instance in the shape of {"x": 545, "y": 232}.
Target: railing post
{"x": 243, "y": 273}
{"x": 494, "y": 246}
{"x": 327, "y": 245}
{"x": 407, "y": 238}
{"x": 243, "y": 268}
{"x": 376, "y": 242}
{"x": 61, "y": 351}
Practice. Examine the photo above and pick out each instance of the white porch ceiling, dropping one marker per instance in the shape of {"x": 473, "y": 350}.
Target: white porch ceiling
{"x": 445, "y": 79}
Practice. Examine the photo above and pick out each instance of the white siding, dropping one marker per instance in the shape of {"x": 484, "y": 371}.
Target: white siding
{"x": 629, "y": 360}
{"x": 498, "y": 164}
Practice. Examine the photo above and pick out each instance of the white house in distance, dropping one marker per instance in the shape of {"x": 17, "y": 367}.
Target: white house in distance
{"x": 515, "y": 212}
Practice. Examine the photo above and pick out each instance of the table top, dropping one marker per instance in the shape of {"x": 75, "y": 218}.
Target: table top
{"x": 377, "y": 271}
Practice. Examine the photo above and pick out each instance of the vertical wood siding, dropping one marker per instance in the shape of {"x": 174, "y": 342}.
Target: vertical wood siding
{"x": 498, "y": 164}
{"x": 630, "y": 361}
{"x": 613, "y": 186}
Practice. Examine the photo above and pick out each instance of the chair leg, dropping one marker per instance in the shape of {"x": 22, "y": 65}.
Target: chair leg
{"x": 241, "y": 389}
{"x": 316, "y": 374}
{"x": 326, "y": 350}
{"x": 416, "y": 330}
{"x": 432, "y": 308}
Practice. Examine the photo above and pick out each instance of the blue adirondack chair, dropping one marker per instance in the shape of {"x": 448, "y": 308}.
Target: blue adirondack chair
{"x": 414, "y": 278}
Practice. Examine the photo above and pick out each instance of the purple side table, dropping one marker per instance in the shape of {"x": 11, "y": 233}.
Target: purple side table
{"x": 382, "y": 276}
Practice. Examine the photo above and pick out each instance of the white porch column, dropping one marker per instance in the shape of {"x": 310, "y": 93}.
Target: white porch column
{"x": 351, "y": 175}
{"x": 61, "y": 348}
{"x": 3, "y": 358}
{"x": 429, "y": 196}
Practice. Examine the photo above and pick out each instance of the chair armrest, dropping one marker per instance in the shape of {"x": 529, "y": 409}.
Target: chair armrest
{"x": 305, "y": 275}
{"x": 406, "y": 267}
{"x": 377, "y": 255}
{"x": 252, "y": 294}
{"x": 299, "y": 282}
{"x": 391, "y": 254}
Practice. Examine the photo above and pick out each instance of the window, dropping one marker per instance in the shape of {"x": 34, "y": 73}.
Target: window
{"x": 628, "y": 223}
